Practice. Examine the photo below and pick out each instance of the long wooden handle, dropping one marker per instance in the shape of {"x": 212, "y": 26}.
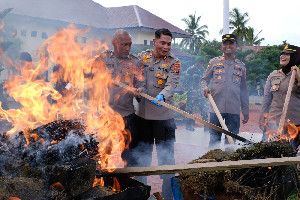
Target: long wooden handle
{"x": 217, "y": 128}
{"x": 222, "y": 122}
{"x": 286, "y": 102}
{"x": 200, "y": 167}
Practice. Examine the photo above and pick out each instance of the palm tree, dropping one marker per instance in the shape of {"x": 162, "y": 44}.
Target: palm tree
{"x": 251, "y": 39}
{"x": 238, "y": 22}
{"x": 198, "y": 33}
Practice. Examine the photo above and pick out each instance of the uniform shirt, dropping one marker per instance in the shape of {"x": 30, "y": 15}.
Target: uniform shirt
{"x": 128, "y": 71}
{"x": 162, "y": 77}
{"x": 229, "y": 88}
{"x": 274, "y": 97}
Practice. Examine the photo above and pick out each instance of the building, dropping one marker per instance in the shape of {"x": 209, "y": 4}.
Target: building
{"x": 36, "y": 20}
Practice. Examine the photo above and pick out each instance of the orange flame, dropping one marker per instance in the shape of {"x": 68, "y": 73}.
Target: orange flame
{"x": 85, "y": 98}
{"x": 116, "y": 187}
{"x": 57, "y": 186}
{"x": 98, "y": 182}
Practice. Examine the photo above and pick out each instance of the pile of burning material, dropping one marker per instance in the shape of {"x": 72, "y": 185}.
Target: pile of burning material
{"x": 255, "y": 183}
{"x": 56, "y": 156}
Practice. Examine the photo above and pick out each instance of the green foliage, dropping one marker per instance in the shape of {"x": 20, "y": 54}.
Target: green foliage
{"x": 261, "y": 64}
{"x": 180, "y": 100}
{"x": 210, "y": 49}
{"x": 198, "y": 34}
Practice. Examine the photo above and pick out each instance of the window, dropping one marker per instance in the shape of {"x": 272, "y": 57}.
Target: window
{"x": 151, "y": 43}
{"x": 145, "y": 42}
{"x": 44, "y": 35}
{"x": 23, "y": 32}
{"x": 83, "y": 39}
{"x": 33, "y": 33}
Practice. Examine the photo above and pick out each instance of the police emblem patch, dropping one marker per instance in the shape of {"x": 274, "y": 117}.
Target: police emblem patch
{"x": 160, "y": 82}
{"x": 176, "y": 67}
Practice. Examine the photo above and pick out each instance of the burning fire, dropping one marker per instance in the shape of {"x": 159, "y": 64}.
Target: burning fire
{"x": 292, "y": 131}
{"x": 85, "y": 98}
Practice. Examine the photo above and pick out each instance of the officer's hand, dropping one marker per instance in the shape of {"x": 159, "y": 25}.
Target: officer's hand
{"x": 206, "y": 91}
{"x": 245, "y": 120}
{"x": 262, "y": 123}
{"x": 137, "y": 93}
{"x": 159, "y": 97}
{"x": 297, "y": 73}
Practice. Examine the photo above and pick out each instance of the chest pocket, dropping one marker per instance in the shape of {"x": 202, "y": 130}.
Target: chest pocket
{"x": 127, "y": 77}
{"x": 275, "y": 82}
{"x": 219, "y": 74}
{"x": 161, "y": 76}
{"x": 237, "y": 75}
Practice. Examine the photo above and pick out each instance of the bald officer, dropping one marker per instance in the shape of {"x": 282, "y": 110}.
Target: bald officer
{"x": 229, "y": 89}
{"x": 128, "y": 69}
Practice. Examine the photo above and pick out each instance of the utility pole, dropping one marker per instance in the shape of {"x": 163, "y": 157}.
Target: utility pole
{"x": 225, "y": 17}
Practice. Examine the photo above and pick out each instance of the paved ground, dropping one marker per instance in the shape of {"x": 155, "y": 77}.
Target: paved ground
{"x": 191, "y": 145}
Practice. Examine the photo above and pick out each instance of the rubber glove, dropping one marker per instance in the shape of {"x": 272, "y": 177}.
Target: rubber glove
{"x": 159, "y": 97}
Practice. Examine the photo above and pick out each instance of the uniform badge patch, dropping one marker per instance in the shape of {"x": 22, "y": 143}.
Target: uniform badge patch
{"x": 145, "y": 60}
{"x": 177, "y": 67}
{"x": 274, "y": 87}
{"x": 219, "y": 77}
{"x": 219, "y": 71}
{"x": 237, "y": 73}
{"x": 237, "y": 78}
{"x": 160, "y": 82}
{"x": 219, "y": 64}
{"x": 165, "y": 65}
{"x": 237, "y": 66}
{"x": 158, "y": 75}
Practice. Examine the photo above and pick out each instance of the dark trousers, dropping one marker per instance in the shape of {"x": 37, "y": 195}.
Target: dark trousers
{"x": 162, "y": 133}
{"x": 131, "y": 140}
{"x": 232, "y": 122}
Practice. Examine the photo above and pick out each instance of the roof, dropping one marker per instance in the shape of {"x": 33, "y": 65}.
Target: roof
{"x": 88, "y": 12}
{"x": 135, "y": 16}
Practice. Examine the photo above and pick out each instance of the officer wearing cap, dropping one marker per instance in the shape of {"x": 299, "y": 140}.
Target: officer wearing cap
{"x": 228, "y": 89}
{"x": 162, "y": 73}
{"x": 275, "y": 91}
{"x": 195, "y": 99}
{"x": 128, "y": 69}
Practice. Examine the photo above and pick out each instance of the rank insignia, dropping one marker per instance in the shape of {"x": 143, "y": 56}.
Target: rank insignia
{"x": 219, "y": 77}
{"x": 160, "y": 82}
{"x": 158, "y": 75}
{"x": 146, "y": 56}
{"x": 219, "y": 71}
{"x": 237, "y": 66}
{"x": 145, "y": 60}
{"x": 176, "y": 67}
{"x": 208, "y": 66}
{"x": 220, "y": 64}
{"x": 165, "y": 65}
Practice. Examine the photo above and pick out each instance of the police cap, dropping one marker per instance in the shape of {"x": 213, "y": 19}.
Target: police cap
{"x": 290, "y": 49}
{"x": 229, "y": 37}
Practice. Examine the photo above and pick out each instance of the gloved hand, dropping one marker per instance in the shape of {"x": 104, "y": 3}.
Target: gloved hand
{"x": 159, "y": 97}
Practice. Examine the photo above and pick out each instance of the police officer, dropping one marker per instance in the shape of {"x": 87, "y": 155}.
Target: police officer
{"x": 128, "y": 69}
{"x": 195, "y": 98}
{"x": 162, "y": 73}
{"x": 229, "y": 89}
{"x": 275, "y": 91}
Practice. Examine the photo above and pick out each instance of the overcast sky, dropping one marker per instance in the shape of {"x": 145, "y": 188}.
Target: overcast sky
{"x": 279, "y": 20}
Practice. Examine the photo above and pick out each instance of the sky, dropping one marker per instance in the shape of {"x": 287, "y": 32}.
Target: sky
{"x": 279, "y": 20}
